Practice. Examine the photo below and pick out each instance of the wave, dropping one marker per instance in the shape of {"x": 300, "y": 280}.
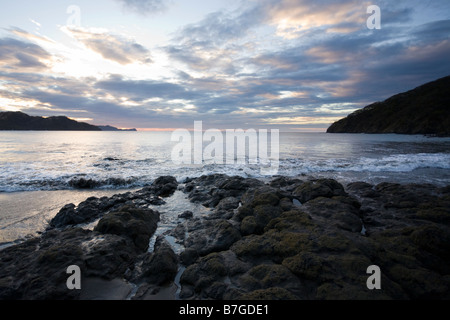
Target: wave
{"x": 74, "y": 183}
{"x": 135, "y": 174}
{"x": 391, "y": 163}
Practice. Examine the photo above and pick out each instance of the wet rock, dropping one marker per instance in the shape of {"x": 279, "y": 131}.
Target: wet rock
{"x": 285, "y": 183}
{"x": 265, "y": 276}
{"x": 189, "y": 256}
{"x": 186, "y": 215}
{"x": 269, "y": 294}
{"x": 341, "y": 211}
{"x": 255, "y": 244}
{"x": 165, "y": 186}
{"x": 318, "y": 188}
{"x": 88, "y": 210}
{"x": 36, "y": 269}
{"x": 211, "y": 276}
{"x": 160, "y": 266}
{"x": 228, "y": 203}
{"x": 217, "y": 235}
{"x": 82, "y": 183}
{"x": 205, "y": 272}
{"x": 136, "y": 224}
{"x": 210, "y": 190}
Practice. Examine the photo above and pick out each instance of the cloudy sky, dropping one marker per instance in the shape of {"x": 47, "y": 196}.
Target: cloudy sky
{"x": 287, "y": 64}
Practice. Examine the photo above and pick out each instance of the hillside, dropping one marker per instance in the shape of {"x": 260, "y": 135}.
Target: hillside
{"x": 22, "y": 121}
{"x": 423, "y": 110}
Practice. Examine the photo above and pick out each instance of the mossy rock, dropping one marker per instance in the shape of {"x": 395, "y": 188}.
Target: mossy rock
{"x": 265, "y": 276}
{"x": 263, "y": 214}
{"x": 329, "y": 207}
{"x": 261, "y": 196}
{"x": 207, "y": 270}
{"x": 305, "y": 265}
{"x": 333, "y": 243}
{"x": 420, "y": 283}
{"x": 214, "y": 264}
{"x": 318, "y": 188}
{"x": 435, "y": 214}
{"x": 433, "y": 239}
{"x": 286, "y": 204}
{"x": 292, "y": 220}
{"x": 348, "y": 291}
{"x": 272, "y": 245}
{"x": 267, "y": 198}
{"x": 269, "y": 294}
{"x": 244, "y": 211}
{"x": 249, "y": 225}
{"x": 136, "y": 224}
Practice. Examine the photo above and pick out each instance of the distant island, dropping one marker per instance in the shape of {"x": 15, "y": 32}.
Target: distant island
{"x": 20, "y": 121}
{"x": 423, "y": 110}
{"x": 110, "y": 128}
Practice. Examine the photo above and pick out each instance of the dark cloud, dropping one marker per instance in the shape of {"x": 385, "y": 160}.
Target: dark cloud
{"x": 16, "y": 54}
{"x": 140, "y": 90}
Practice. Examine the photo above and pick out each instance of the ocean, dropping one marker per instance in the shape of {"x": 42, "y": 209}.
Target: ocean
{"x": 42, "y": 171}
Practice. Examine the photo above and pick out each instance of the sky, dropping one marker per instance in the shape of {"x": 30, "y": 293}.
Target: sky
{"x": 292, "y": 65}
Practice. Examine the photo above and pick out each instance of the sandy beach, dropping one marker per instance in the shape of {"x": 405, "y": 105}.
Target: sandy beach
{"x": 23, "y": 214}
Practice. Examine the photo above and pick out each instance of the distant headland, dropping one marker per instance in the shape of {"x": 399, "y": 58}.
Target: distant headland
{"x": 20, "y": 121}
{"x": 423, "y": 110}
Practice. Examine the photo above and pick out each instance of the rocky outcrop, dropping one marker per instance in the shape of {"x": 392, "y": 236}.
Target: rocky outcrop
{"x": 285, "y": 239}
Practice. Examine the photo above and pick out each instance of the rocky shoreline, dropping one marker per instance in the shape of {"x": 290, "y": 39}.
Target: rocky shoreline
{"x": 283, "y": 239}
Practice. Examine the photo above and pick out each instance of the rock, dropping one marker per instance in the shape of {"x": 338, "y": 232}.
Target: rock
{"x": 255, "y": 243}
{"x": 210, "y": 190}
{"x": 249, "y": 225}
{"x": 269, "y": 294}
{"x": 160, "y": 266}
{"x": 318, "y": 188}
{"x": 265, "y": 276}
{"x": 305, "y": 265}
{"x": 186, "y": 215}
{"x": 211, "y": 276}
{"x": 363, "y": 189}
{"x": 87, "y": 211}
{"x": 36, "y": 269}
{"x": 136, "y": 224}
{"x": 228, "y": 203}
{"x": 285, "y": 183}
{"x": 206, "y": 271}
{"x": 189, "y": 256}
{"x": 165, "y": 186}
{"x": 67, "y": 216}
{"x": 107, "y": 256}
{"x": 340, "y": 211}
{"x": 218, "y": 236}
